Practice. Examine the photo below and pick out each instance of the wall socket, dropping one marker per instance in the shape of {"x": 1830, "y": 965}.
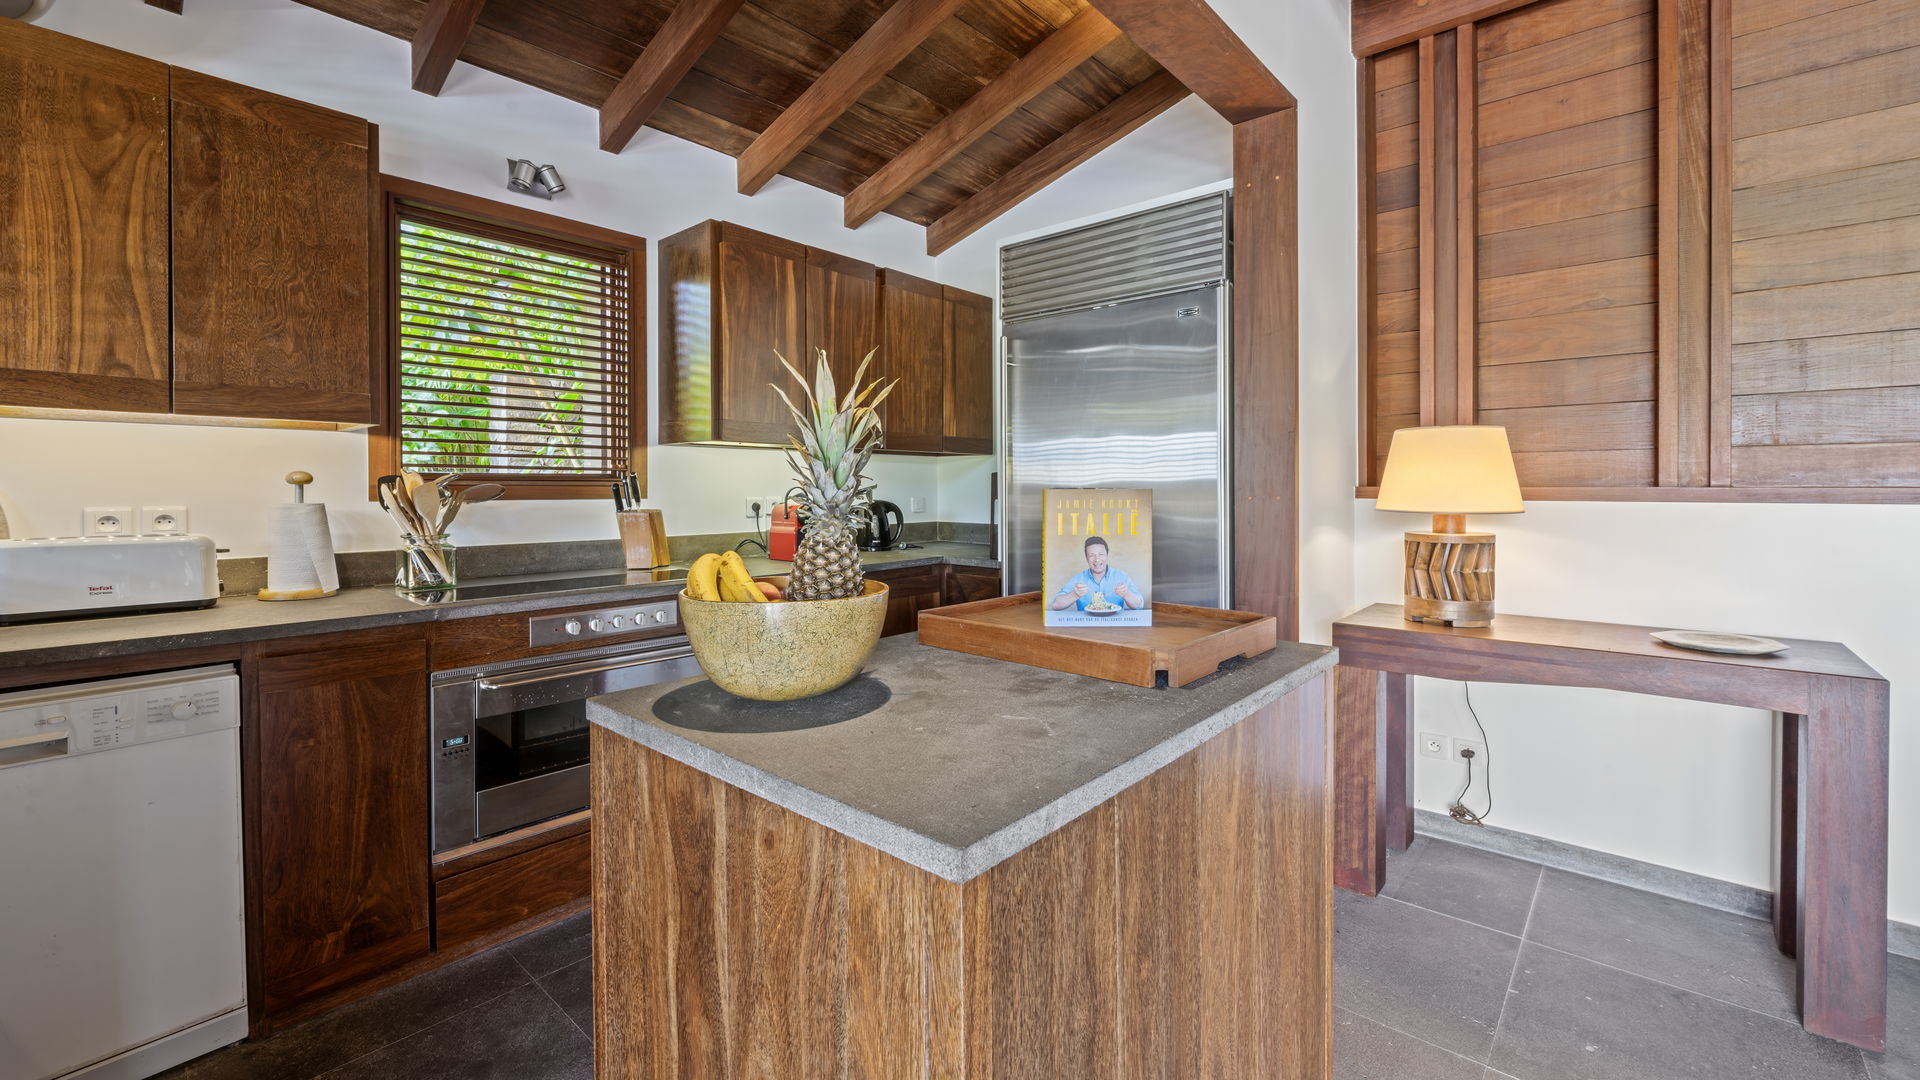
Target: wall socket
{"x": 1433, "y": 746}
{"x": 1479, "y": 749}
{"x": 917, "y": 505}
{"x": 766, "y": 503}
{"x": 163, "y": 520}
{"x": 107, "y": 521}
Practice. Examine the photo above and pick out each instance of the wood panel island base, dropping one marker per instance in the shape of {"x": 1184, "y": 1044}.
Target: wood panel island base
{"x": 1001, "y": 872}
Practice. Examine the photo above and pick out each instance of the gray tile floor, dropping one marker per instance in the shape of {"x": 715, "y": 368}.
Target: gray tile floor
{"x": 1470, "y": 965}
{"x": 1475, "y": 965}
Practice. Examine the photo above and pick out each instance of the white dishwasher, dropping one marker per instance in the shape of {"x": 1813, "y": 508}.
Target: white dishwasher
{"x": 122, "y": 941}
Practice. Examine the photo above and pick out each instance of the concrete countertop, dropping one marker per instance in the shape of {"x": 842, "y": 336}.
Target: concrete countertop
{"x": 244, "y": 618}
{"x": 970, "y": 760}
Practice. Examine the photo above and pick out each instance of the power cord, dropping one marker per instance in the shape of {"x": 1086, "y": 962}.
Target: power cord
{"x": 1459, "y": 809}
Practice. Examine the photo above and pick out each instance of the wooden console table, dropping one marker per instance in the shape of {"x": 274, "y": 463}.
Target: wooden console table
{"x": 1830, "y": 908}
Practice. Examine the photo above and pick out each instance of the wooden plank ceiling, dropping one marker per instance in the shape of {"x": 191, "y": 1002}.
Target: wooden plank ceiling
{"x": 1051, "y": 72}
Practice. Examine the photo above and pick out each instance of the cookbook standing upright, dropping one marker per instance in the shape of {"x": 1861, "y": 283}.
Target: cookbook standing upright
{"x": 1097, "y": 557}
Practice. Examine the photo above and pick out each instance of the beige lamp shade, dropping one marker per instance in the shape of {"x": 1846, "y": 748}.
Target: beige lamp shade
{"x": 1450, "y": 470}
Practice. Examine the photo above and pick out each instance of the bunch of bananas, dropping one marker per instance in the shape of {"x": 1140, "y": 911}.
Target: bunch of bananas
{"x": 724, "y": 577}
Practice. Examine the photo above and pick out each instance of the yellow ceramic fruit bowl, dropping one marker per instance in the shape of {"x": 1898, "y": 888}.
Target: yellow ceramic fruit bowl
{"x": 784, "y": 651}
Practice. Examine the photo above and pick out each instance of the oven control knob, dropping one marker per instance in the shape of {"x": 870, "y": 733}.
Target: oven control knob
{"x": 571, "y": 626}
{"x": 660, "y": 616}
{"x": 617, "y": 621}
{"x": 593, "y": 624}
{"x": 182, "y": 710}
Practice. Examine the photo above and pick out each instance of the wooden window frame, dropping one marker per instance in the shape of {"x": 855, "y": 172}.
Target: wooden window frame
{"x": 1692, "y": 436}
{"x": 383, "y": 443}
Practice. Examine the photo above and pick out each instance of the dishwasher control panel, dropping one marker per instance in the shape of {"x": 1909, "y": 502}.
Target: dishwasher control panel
{"x": 605, "y": 622}
{"x": 81, "y": 718}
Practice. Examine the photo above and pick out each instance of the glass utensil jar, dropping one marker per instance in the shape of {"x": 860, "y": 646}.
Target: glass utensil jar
{"x": 426, "y": 563}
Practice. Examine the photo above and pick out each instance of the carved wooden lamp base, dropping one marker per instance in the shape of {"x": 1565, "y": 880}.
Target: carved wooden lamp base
{"x": 1450, "y": 574}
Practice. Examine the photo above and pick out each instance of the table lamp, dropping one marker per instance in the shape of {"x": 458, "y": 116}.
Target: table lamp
{"x": 1450, "y": 472}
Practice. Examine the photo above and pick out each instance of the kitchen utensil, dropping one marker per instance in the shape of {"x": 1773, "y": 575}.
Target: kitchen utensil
{"x": 1730, "y": 644}
{"x": 643, "y": 536}
{"x": 300, "y": 564}
{"x": 884, "y": 522}
{"x": 478, "y": 493}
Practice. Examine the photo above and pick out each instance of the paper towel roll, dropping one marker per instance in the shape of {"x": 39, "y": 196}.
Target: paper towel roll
{"x": 300, "y": 562}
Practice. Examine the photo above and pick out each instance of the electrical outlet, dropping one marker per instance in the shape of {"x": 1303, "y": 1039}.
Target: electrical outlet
{"x": 1479, "y": 749}
{"x": 1433, "y": 746}
{"x": 163, "y": 520}
{"x": 107, "y": 521}
{"x": 758, "y": 507}
{"x": 917, "y": 505}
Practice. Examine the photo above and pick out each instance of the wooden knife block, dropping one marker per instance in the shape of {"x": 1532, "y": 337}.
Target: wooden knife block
{"x": 643, "y": 536}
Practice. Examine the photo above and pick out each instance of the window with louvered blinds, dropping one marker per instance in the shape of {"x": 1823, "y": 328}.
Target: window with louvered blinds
{"x": 514, "y": 353}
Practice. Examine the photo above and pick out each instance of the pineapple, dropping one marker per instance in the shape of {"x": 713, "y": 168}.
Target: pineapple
{"x": 836, "y": 438}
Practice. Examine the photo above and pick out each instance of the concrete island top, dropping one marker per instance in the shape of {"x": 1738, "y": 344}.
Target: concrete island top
{"x": 970, "y": 760}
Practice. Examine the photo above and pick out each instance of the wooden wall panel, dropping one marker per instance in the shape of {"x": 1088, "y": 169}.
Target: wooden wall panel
{"x": 1690, "y": 243}
{"x": 1391, "y": 112}
{"x": 1568, "y": 270}
{"x": 1824, "y": 270}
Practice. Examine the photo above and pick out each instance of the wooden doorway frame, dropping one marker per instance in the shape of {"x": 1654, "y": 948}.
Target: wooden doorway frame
{"x": 1189, "y": 39}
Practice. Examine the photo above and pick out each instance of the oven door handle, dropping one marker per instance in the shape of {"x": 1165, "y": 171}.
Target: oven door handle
{"x": 590, "y": 667}
{"x": 582, "y": 679}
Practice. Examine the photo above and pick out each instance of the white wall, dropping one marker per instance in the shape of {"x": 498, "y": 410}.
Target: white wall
{"x": 49, "y": 470}
{"x": 1677, "y": 783}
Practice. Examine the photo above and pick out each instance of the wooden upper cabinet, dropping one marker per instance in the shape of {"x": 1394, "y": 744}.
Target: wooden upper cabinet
{"x": 969, "y": 404}
{"x": 916, "y": 327}
{"x": 1824, "y": 288}
{"x": 730, "y": 297}
{"x": 273, "y": 266}
{"x": 83, "y": 225}
{"x": 843, "y": 314}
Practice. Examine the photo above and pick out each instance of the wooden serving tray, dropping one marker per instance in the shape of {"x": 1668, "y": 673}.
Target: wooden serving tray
{"x": 1185, "y": 642}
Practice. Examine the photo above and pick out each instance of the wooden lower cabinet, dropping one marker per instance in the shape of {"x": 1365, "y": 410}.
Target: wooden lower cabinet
{"x": 966, "y": 584}
{"x": 910, "y": 591}
{"x": 482, "y": 901}
{"x": 914, "y": 589}
{"x": 339, "y": 808}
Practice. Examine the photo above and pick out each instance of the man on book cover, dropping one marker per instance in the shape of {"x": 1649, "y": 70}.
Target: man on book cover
{"x": 1100, "y": 586}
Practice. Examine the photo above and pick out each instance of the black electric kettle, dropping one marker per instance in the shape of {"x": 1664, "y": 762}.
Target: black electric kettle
{"x": 882, "y": 530}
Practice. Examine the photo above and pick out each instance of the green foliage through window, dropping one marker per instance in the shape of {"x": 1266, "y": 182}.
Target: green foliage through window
{"x": 513, "y": 356}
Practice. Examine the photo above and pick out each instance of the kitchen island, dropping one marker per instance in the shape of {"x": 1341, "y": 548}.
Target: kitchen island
{"x": 957, "y": 867}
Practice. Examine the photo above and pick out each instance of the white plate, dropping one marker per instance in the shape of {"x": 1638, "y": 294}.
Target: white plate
{"x": 1732, "y": 644}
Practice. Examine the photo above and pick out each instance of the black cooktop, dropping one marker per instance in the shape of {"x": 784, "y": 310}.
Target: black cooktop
{"x": 537, "y": 584}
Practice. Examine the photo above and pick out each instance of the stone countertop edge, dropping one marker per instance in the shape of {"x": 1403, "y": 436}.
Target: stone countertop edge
{"x": 241, "y": 618}
{"x": 955, "y": 864}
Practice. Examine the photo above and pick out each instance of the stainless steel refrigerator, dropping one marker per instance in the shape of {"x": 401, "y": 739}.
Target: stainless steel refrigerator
{"x": 1115, "y": 374}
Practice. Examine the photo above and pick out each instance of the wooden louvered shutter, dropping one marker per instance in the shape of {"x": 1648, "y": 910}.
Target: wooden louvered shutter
{"x": 1824, "y": 123}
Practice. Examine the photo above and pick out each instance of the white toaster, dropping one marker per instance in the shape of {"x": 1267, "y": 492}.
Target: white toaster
{"x": 67, "y": 576}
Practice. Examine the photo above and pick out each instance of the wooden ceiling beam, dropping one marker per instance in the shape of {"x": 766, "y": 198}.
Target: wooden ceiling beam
{"x": 1050, "y": 61}
{"x": 443, "y": 32}
{"x": 887, "y": 42}
{"x": 1189, "y": 38}
{"x": 1087, "y": 138}
{"x": 675, "y": 48}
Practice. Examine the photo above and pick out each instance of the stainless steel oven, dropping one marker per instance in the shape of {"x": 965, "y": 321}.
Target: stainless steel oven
{"x": 510, "y": 740}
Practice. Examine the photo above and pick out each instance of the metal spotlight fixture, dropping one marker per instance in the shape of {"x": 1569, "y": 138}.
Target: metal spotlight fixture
{"x": 520, "y": 175}
{"x": 527, "y": 178}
